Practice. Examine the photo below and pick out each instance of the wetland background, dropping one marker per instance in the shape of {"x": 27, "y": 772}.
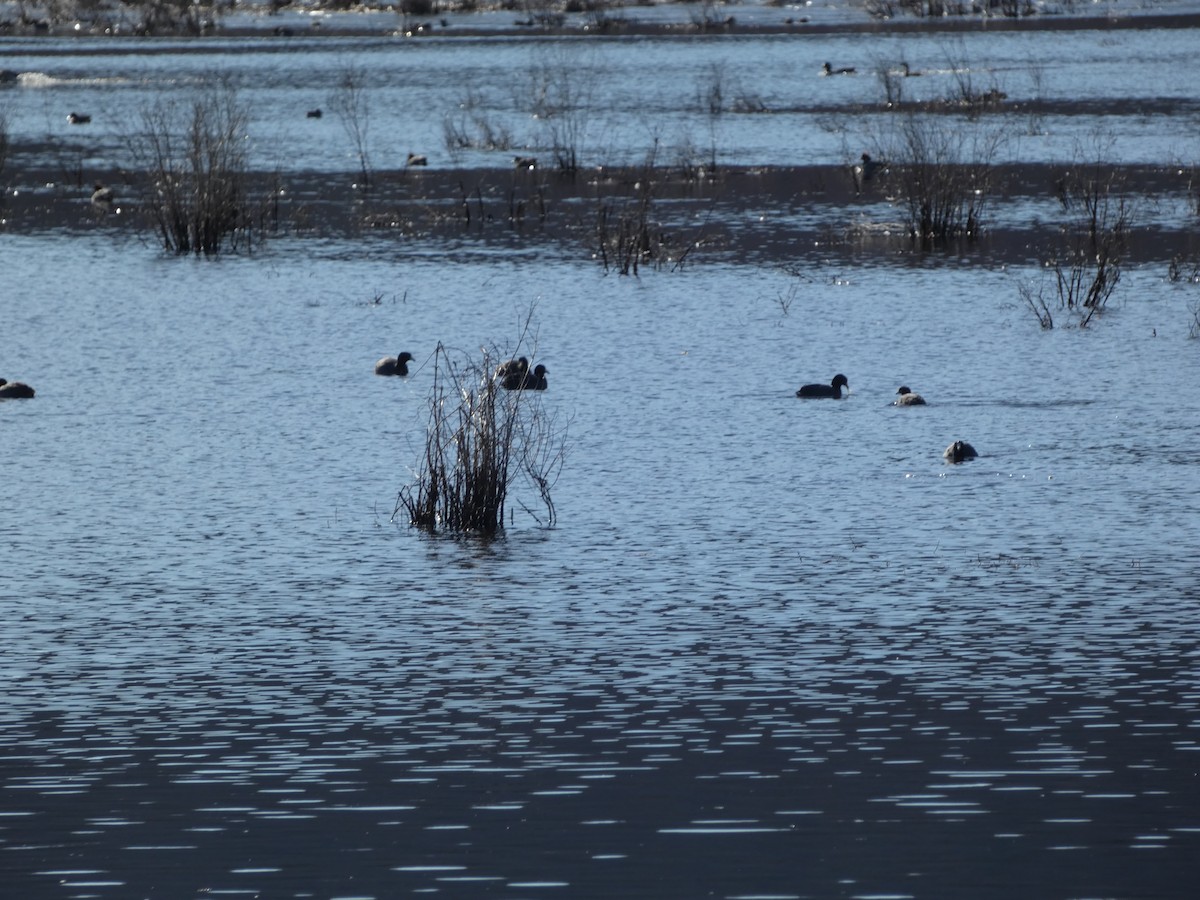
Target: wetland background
{"x": 771, "y": 648}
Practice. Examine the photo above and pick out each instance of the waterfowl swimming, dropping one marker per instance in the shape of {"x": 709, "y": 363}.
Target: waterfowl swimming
{"x": 512, "y": 367}
{"x": 78, "y": 118}
{"x": 908, "y": 398}
{"x": 526, "y": 381}
{"x": 525, "y": 162}
{"x": 15, "y": 390}
{"x": 959, "y": 451}
{"x": 415, "y": 159}
{"x": 393, "y": 365}
{"x": 314, "y": 114}
{"x": 909, "y": 73}
{"x": 102, "y": 197}
{"x": 830, "y": 70}
{"x": 832, "y": 390}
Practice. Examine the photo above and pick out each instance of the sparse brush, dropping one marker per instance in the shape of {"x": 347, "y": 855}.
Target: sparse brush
{"x": 560, "y": 95}
{"x": 3, "y": 140}
{"x": 945, "y": 176}
{"x": 198, "y": 199}
{"x": 627, "y": 234}
{"x": 1087, "y": 264}
{"x": 350, "y": 103}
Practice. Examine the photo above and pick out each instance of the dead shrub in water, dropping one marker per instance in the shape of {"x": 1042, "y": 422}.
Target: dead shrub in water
{"x": 944, "y": 173}
{"x": 560, "y": 92}
{"x": 3, "y": 141}
{"x": 349, "y": 103}
{"x": 470, "y": 128}
{"x": 1087, "y": 265}
{"x": 198, "y": 198}
{"x": 479, "y": 439}
{"x": 627, "y": 234}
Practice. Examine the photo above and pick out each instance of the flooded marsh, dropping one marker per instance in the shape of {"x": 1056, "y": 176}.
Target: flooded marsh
{"x": 771, "y": 647}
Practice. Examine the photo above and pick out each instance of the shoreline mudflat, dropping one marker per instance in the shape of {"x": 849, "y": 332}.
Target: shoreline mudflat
{"x": 766, "y": 215}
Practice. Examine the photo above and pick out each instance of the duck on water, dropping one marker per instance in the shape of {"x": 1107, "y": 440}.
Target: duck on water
{"x": 832, "y": 391}
{"x": 394, "y": 365}
{"x": 15, "y": 390}
{"x": 908, "y": 398}
{"x": 959, "y": 451}
{"x": 512, "y": 367}
{"x": 522, "y": 380}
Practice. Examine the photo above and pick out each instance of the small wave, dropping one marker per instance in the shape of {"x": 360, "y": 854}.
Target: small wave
{"x": 37, "y": 80}
{"x": 1022, "y": 404}
{"x": 41, "y": 80}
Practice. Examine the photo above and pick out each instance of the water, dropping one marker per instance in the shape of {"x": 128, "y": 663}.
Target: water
{"x": 1120, "y": 90}
{"x": 772, "y": 648}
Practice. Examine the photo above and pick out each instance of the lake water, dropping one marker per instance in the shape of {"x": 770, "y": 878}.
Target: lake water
{"x": 771, "y": 649}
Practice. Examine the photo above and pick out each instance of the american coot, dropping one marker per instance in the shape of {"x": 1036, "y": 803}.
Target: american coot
{"x": 832, "y": 390}
{"x": 78, "y": 118}
{"x": 393, "y": 365}
{"x": 15, "y": 390}
{"x": 526, "y": 381}
{"x": 908, "y": 398}
{"x": 959, "y": 451}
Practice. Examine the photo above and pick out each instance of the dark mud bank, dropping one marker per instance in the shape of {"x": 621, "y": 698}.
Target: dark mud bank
{"x": 765, "y": 215}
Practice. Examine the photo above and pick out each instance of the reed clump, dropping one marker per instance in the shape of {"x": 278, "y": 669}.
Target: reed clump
{"x": 198, "y": 199}
{"x": 479, "y": 440}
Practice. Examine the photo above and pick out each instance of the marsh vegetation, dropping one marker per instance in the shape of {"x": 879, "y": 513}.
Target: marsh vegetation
{"x": 195, "y": 162}
{"x": 1084, "y": 266}
{"x": 480, "y": 439}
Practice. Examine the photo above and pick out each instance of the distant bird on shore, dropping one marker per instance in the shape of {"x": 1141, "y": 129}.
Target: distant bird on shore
{"x": 959, "y": 451}
{"x": 415, "y": 159}
{"x": 865, "y": 170}
{"x": 15, "y": 390}
{"x": 314, "y": 114}
{"x": 78, "y": 118}
{"x": 525, "y": 162}
{"x": 908, "y": 398}
{"x": 394, "y": 365}
{"x": 827, "y": 69}
{"x": 526, "y": 381}
{"x": 833, "y": 390}
{"x": 103, "y": 198}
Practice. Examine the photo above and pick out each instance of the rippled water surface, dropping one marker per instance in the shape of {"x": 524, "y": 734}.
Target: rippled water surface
{"x": 1126, "y": 91}
{"x": 772, "y": 648}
